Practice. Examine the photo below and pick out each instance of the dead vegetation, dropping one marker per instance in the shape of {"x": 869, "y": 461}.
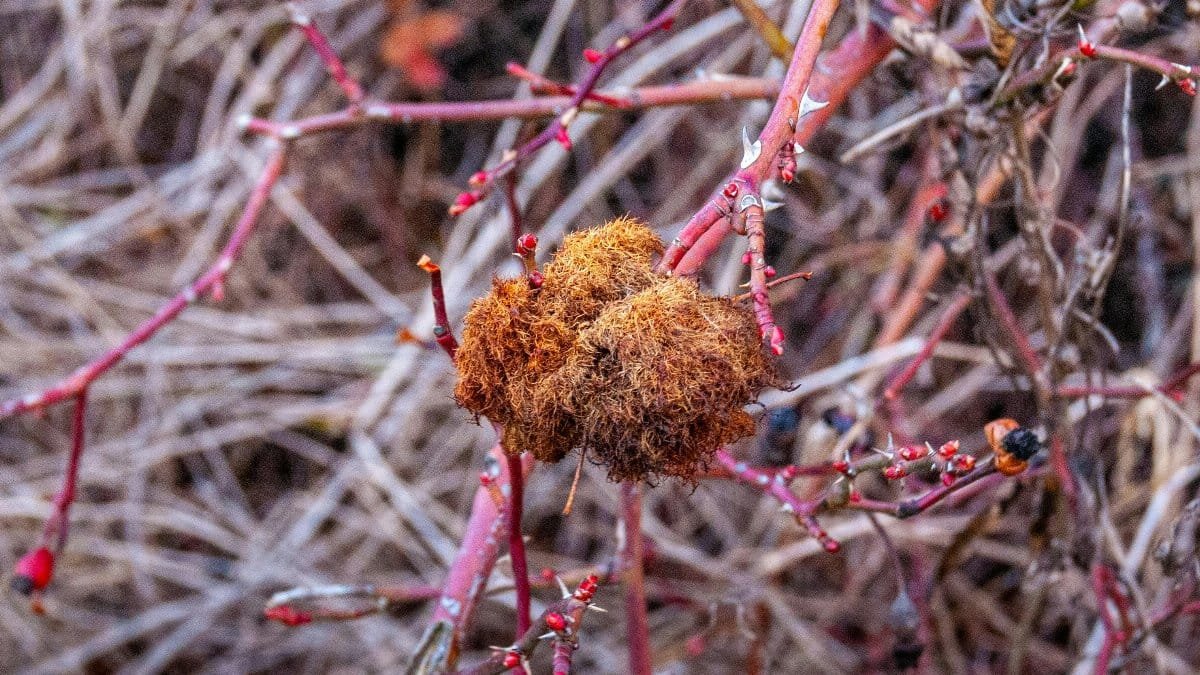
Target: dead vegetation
{"x": 1036, "y": 209}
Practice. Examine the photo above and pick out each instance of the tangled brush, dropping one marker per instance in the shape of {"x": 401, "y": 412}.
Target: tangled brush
{"x": 644, "y": 372}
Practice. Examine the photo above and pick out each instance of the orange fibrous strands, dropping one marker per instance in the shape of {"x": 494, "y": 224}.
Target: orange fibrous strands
{"x": 644, "y": 373}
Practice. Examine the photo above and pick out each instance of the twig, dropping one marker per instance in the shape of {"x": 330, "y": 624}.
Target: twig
{"x": 516, "y": 544}
{"x": 283, "y": 606}
{"x": 957, "y": 306}
{"x": 561, "y": 621}
{"x": 637, "y": 624}
{"x": 762, "y": 24}
{"x": 442, "y": 331}
{"x": 782, "y": 125}
{"x": 559, "y": 130}
{"x": 209, "y": 283}
{"x": 469, "y": 573}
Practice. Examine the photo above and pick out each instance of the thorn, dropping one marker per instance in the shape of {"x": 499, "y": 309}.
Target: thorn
{"x": 749, "y": 199}
{"x": 750, "y": 151}
{"x": 562, "y": 587}
{"x": 1066, "y": 68}
{"x": 297, "y": 15}
{"x": 1086, "y": 48}
{"x": 547, "y": 636}
{"x": 243, "y": 121}
{"x": 808, "y": 105}
{"x": 1163, "y": 82}
{"x": 597, "y": 608}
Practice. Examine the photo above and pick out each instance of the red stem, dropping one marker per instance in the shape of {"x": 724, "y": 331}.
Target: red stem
{"x": 777, "y": 130}
{"x": 563, "y": 651}
{"x": 472, "y": 566}
{"x": 1008, "y": 320}
{"x": 210, "y": 281}
{"x": 441, "y": 322}
{"x": 776, "y": 484}
{"x": 688, "y": 93}
{"x": 632, "y": 555}
{"x": 545, "y": 85}
{"x": 957, "y": 307}
{"x": 333, "y": 63}
{"x": 557, "y": 130}
{"x": 55, "y": 530}
{"x": 514, "y": 208}
{"x": 516, "y": 544}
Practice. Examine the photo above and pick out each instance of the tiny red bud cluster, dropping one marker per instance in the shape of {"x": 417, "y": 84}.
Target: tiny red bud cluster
{"x": 666, "y": 25}
{"x": 536, "y": 279}
{"x": 895, "y": 472}
{"x": 592, "y": 56}
{"x": 964, "y": 463}
{"x": 775, "y": 341}
{"x": 563, "y": 138}
{"x": 527, "y": 243}
{"x": 831, "y": 545}
{"x": 769, "y": 271}
{"x": 938, "y": 212}
{"x": 464, "y": 201}
{"x": 841, "y": 465}
{"x": 587, "y": 588}
{"x": 33, "y": 571}
{"x": 556, "y": 621}
{"x": 288, "y": 615}
{"x": 948, "y": 450}
{"x": 947, "y": 479}
{"x": 912, "y": 452}
{"x": 787, "y": 162}
{"x": 730, "y": 191}
{"x": 478, "y": 179}
{"x": 789, "y": 472}
{"x": 1087, "y": 48}
{"x": 512, "y": 659}
{"x": 1188, "y": 86}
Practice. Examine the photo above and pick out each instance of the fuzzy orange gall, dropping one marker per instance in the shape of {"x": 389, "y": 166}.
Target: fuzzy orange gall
{"x": 642, "y": 372}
